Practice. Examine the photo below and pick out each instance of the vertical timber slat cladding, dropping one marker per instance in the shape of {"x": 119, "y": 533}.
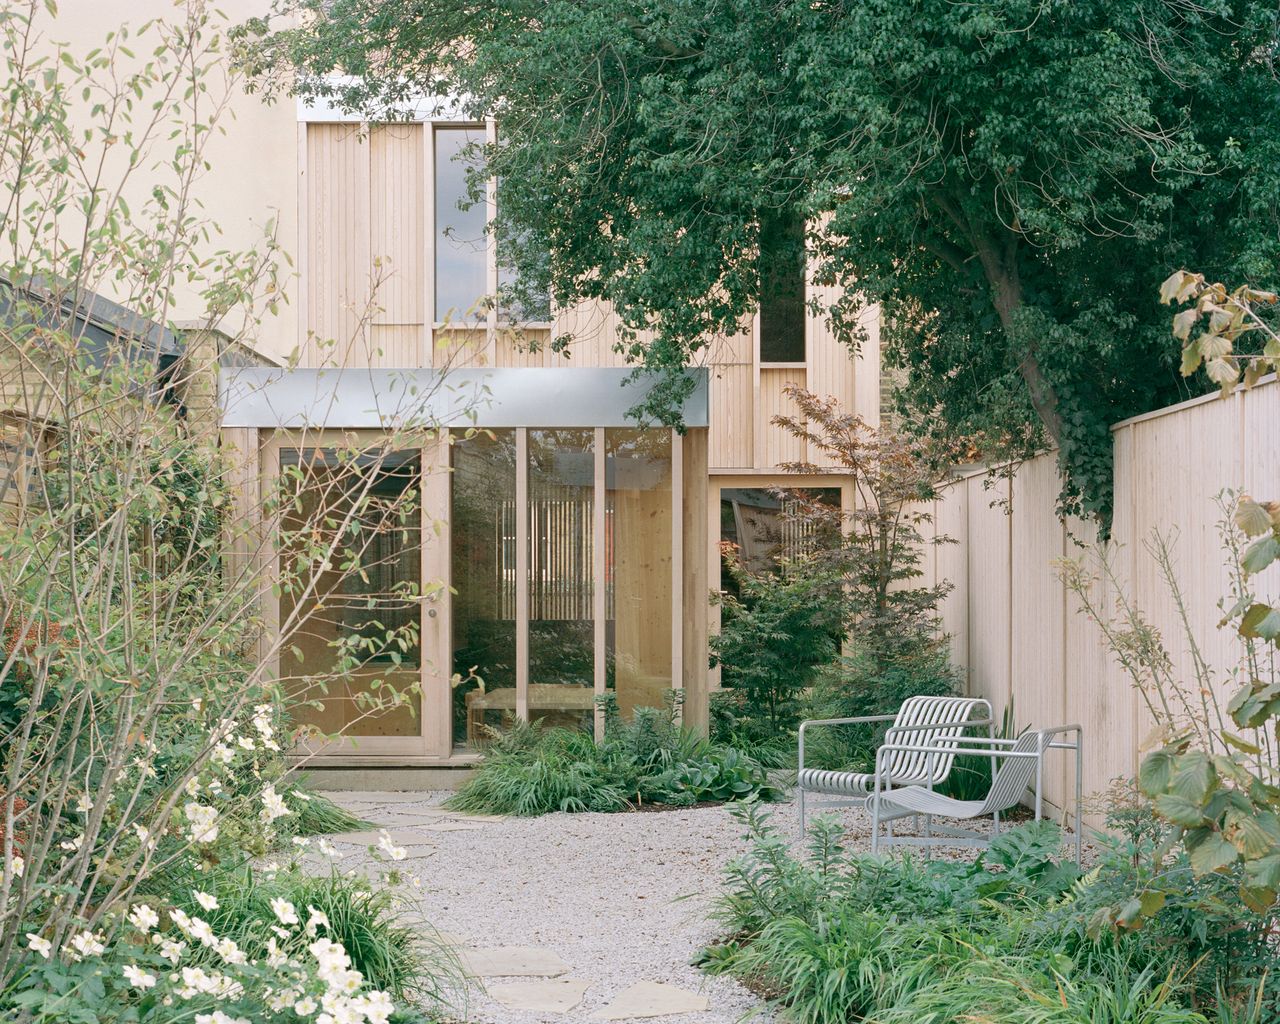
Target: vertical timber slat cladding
{"x": 367, "y": 210}
{"x": 1169, "y": 467}
{"x": 832, "y": 368}
{"x": 773, "y": 444}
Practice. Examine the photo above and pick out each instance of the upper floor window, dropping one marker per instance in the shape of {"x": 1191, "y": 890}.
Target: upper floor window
{"x": 782, "y": 291}
{"x": 461, "y": 244}
{"x": 463, "y": 286}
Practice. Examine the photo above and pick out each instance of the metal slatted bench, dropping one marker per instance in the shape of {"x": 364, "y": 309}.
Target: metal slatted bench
{"x": 1023, "y": 769}
{"x": 934, "y": 723}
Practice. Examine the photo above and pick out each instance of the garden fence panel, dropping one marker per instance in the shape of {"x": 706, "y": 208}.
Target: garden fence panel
{"x": 1018, "y": 633}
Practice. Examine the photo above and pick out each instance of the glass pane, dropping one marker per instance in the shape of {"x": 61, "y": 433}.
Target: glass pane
{"x": 782, "y": 298}
{"x": 638, "y": 565}
{"x": 764, "y": 525}
{"x": 561, "y": 621}
{"x": 483, "y": 528}
{"x": 351, "y": 581}
{"x": 518, "y": 303}
{"x": 461, "y": 244}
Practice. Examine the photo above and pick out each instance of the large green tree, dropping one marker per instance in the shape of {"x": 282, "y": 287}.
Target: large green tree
{"x": 1011, "y": 179}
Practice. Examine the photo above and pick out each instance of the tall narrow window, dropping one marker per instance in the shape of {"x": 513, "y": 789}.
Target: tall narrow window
{"x": 461, "y": 245}
{"x": 483, "y": 522}
{"x": 782, "y": 301}
{"x": 561, "y": 586}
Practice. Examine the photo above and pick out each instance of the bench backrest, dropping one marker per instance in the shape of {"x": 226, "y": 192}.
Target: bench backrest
{"x": 946, "y": 718}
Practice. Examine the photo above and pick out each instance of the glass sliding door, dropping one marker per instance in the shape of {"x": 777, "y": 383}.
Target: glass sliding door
{"x": 560, "y": 577}
{"x": 483, "y": 527}
{"x": 350, "y": 615}
{"x": 638, "y": 565}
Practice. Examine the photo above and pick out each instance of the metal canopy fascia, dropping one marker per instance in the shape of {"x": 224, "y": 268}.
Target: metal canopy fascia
{"x": 277, "y": 398}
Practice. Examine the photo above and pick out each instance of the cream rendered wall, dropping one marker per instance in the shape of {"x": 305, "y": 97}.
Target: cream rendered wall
{"x": 253, "y": 178}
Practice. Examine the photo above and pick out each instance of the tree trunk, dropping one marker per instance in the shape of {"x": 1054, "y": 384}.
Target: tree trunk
{"x": 1006, "y": 291}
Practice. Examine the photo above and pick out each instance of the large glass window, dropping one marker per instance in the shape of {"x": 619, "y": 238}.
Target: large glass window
{"x": 483, "y": 531}
{"x": 351, "y": 574}
{"x": 638, "y": 567}
{"x": 461, "y": 244}
{"x": 561, "y": 549}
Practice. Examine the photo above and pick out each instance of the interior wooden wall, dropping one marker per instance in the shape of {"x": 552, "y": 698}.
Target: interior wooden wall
{"x": 1020, "y": 636}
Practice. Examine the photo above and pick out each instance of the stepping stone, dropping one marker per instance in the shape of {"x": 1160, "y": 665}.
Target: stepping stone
{"x": 371, "y": 837}
{"x": 652, "y": 999}
{"x": 452, "y": 826}
{"x": 552, "y": 995}
{"x": 512, "y": 962}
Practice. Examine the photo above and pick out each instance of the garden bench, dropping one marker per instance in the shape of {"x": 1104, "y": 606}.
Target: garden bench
{"x": 1023, "y": 768}
{"x": 930, "y": 722}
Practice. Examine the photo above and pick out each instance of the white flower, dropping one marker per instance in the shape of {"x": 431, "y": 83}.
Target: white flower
{"x": 192, "y": 787}
{"x": 143, "y": 834}
{"x": 172, "y": 950}
{"x": 389, "y": 848}
{"x": 17, "y": 865}
{"x": 376, "y": 1006}
{"x": 83, "y": 804}
{"x": 305, "y": 1006}
{"x": 301, "y": 840}
{"x": 206, "y": 900}
{"x": 39, "y": 944}
{"x": 245, "y": 742}
{"x": 300, "y": 795}
{"x": 214, "y": 786}
{"x": 328, "y": 849}
{"x": 273, "y": 805}
{"x": 230, "y": 952}
{"x": 143, "y": 917}
{"x": 202, "y": 931}
{"x": 218, "y": 1017}
{"x": 84, "y": 944}
{"x": 72, "y": 844}
{"x": 317, "y": 919}
{"x": 180, "y": 919}
{"x": 275, "y": 956}
{"x": 139, "y": 978}
{"x": 284, "y": 910}
{"x": 222, "y": 754}
{"x": 203, "y": 822}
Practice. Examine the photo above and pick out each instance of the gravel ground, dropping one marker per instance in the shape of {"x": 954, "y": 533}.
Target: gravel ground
{"x": 622, "y": 898}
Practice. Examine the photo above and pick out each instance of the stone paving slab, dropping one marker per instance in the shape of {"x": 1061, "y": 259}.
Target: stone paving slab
{"x": 551, "y": 995}
{"x": 512, "y": 962}
{"x": 652, "y": 999}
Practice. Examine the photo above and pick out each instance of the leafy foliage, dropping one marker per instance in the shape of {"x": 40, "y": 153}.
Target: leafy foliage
{"x": 649, "y": 759}
{"x": 651, "y": 149}
{"x": 776, "y": 633}
{"x": 836, "y": 937}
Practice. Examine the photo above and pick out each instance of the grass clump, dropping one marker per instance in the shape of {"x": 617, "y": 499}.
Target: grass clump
{"x": 648, "y": 760}
{"x": 366, "y": 919}
{"x": 1012, "y": 937}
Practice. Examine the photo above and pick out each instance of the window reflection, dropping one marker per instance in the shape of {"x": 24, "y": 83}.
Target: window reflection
{"x": 460, "y": 242}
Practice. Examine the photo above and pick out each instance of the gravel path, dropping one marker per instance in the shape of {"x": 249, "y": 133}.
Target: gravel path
{"x": 620, "y": 898}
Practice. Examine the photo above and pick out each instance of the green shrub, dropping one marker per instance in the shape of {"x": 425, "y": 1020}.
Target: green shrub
{"x": 862, "y": 683}
{"x": 314, "y": 814}
{"x": 650, "y": 759}
{"x": 775, "y": 634}
{"x": 837, "y": 937}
